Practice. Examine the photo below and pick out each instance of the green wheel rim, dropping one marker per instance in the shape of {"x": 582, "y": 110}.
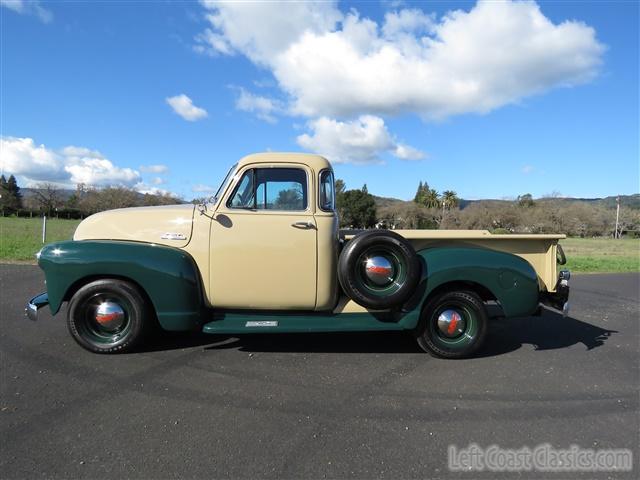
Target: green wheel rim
{"x": 463, "y": 340}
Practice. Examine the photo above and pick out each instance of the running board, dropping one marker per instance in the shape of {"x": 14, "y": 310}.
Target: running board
{"x": 269, "y": 322}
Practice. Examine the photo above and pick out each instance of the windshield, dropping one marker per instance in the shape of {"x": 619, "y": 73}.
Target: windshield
{"x": 224, "y": 184}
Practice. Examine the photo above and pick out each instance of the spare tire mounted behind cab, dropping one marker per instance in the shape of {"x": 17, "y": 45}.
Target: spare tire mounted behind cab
{"x": 379, "y": 269}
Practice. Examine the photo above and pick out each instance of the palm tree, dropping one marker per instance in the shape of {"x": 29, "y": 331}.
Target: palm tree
{"x": 449, "y": 199}
{"x": 431, "y": 199}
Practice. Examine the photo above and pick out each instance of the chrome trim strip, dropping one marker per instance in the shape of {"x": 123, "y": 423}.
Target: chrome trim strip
{"x": 262, "y": 323}
{"x": 173, "y": 236}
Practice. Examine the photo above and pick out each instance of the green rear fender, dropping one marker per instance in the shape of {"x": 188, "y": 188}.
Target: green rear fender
{"x": 168, "y": 276}
{"x": 509, "y": 278}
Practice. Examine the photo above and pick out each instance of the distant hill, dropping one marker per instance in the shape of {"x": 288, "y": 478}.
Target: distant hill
{"x": 628, "y": 201}
{"x": 31, "y": 192}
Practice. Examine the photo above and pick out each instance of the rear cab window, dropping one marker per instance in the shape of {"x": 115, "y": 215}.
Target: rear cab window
{"x": 327, "y": 194}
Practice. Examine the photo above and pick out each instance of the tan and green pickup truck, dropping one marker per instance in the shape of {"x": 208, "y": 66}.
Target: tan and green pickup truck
{"x": 265, "y": 255}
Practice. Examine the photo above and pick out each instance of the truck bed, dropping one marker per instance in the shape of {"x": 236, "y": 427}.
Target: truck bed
{"x": 539, "y": 250}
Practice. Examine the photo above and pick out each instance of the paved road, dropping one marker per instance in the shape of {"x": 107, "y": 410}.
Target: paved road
{"x": 292, "y": 406}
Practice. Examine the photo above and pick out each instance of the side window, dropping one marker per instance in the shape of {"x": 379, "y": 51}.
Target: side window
{"x": 271, "y": 189}
{"x": 243, "y": 196}
{"x": 327, "y": 197}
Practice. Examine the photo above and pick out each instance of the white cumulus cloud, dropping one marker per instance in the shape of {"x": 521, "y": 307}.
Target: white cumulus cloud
{"x": 262, "y": 30}
{"x": 360, "y": 141}
{"x": 68, "y": 166}
{"x": 263, "y": 107}
{"x": 146, "y": 189}
{"x": 183, "y": 106}
{"x": 343, "y": 65}
{"x": 28, "y": 7}
{"x": 21, "y": 156}
{"x": 90, "y": 167}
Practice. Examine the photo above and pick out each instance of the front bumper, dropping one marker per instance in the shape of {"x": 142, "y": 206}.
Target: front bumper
{"x": 559, "y": 299}
{"x": 35, "y": 304}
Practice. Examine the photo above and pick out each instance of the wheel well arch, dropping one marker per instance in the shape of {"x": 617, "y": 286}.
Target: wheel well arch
{"x": 81, "y": 282}
{"x": 483, "y": 292}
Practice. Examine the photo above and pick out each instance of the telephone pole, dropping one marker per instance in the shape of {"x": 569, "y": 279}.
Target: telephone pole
{"x": 616, "y": 234}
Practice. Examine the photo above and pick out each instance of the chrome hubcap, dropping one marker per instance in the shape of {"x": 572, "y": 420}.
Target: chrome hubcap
{"x": 379, "y": 270}
{"x": 451, "y": 323}
{"x": 110, "y": 316}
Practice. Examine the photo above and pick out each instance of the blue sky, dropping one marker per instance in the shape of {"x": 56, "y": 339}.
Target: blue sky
{"x": 492, "y": 101}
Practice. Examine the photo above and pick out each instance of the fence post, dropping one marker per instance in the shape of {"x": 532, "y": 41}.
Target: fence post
{"x": 44, "y": 228}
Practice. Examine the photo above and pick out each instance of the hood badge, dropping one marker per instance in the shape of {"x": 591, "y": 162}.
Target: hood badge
{"x": 173, "y": 236}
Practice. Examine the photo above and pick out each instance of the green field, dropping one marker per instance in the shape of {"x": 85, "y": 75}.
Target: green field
{"x": 593, "y": 255}
{"x": 21, "y": 238}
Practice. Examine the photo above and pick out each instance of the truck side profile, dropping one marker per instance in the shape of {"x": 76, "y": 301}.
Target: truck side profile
{"x": 266, "y": 255}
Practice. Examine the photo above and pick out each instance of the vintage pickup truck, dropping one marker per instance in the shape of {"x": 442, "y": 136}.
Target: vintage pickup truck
{"x": 265, "y": 255}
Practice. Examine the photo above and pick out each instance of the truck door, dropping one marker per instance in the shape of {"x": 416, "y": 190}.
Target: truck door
{"x": 263, "y": 241}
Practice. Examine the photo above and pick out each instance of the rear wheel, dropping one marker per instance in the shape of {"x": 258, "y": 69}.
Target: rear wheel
{"x": 108, "y": 316}
{"x": 453, "y": 325}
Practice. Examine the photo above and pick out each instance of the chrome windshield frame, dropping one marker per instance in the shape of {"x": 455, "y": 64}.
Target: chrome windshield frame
{"x": 223, "y": 186}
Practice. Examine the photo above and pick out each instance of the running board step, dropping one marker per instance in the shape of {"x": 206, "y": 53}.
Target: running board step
{"x": 253, "y": 322}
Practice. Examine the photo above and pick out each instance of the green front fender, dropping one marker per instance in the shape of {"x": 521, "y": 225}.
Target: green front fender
{"x": 509, "y": 278}
{"x": 168, "y": 276}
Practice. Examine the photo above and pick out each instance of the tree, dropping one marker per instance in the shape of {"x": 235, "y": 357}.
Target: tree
{"x": 450, "y": 199}
{"x": 426, "y": 196}
{"x": 11, "y": 200}
{"x": 290, "y": 199}
{"x": 419, "y": 197}
{"x": 48, "y": 197}
{"x": 4, "y": 194}
{"x": 109, "y": 198}
{"x": 340, "y": 189}
{"x": 358, "y": 209}
{"x": 526, "y": 200}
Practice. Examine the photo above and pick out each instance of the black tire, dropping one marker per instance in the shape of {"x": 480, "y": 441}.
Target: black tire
{"x": 463, "y": 336}
{"x": 403, "y": 272}
{"x": 100, "y": 327}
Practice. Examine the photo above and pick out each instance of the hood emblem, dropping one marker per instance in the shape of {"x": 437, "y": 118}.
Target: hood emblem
{"x": 173, "y": 236}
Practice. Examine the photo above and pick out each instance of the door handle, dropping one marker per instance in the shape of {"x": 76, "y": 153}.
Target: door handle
{"x": 303, "y": 225}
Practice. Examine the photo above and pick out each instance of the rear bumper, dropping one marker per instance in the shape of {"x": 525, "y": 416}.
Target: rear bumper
{"x": 559, "y": 299}
{"x": 35, "y": 304}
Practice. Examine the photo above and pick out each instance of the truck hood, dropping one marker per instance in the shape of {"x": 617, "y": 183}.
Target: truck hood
{"x": 165, "y": 225}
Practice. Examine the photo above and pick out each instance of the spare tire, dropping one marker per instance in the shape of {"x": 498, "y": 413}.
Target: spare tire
{"x": 378, "y": 269}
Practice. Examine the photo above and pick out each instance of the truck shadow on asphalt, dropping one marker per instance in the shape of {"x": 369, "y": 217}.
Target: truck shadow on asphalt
{"x": 548, "y": 332}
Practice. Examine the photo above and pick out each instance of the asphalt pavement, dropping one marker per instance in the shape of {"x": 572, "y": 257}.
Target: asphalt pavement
{"x": 316, "y": 405}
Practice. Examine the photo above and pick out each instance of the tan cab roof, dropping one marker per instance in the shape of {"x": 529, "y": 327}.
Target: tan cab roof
{"x": 316, "y": 162}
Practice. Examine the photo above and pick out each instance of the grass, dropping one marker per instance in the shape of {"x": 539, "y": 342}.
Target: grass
{"x": 600, "y": 255}
{"x": 21, "y": 238}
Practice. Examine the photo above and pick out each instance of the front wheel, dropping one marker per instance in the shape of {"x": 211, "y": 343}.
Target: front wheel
{"x": 452, "y": 325}
{"x": 107, "y": 316}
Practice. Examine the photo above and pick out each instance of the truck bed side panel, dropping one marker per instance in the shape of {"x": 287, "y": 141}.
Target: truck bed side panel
{"x": 512, "y": 280}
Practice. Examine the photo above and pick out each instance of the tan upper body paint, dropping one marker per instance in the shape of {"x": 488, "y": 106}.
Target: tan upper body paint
{"x": 259, "y": 259}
